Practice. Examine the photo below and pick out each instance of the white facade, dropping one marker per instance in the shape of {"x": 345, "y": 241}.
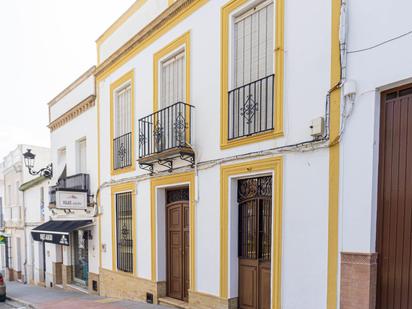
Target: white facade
{"x": 305, "y": 178}
{"x": 36, "y": 200}
{"x": 306, "y": 269}
{"x": 15, "y": 174}
{"x": 73, "y": 139}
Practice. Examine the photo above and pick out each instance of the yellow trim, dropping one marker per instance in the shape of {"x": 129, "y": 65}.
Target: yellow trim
{"x": 128, "y": 77}
{"x": 279, "y": 69}
{"x": 98, "y": 174}
{"x": 187, "y": 178}
{"x": 157, "y": 33}
{"x": 183, "y": 40}
{"x": 117, "y": 24}
{"x": 170, "y": 2}
{"x": 276, "y": 166}
{"x": 333, "y": 219}
{"x": 124, "y": 187}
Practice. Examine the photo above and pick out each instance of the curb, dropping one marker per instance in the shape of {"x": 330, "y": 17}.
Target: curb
{"x": 27, "y": 304}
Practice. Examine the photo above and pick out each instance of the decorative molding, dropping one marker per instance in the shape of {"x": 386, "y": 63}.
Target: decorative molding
{"x": 72, "y": 113}
{"x": 73, "y": 85}
{"x": 167, "y": 19}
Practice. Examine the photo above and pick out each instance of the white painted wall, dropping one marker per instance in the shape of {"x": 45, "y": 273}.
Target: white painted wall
{"x": 146, "y": 13}
{"x": 373, "y": 71}
{"x": 305, "y": 206}
{"x": 72, "y": 98}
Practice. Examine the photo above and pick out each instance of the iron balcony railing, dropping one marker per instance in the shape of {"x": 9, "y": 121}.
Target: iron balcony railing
{"x": 250, "y": 108}
{"x": 122, "y": 151}
{"x": 78, "y": 182}
{"x": 166, "y": 129}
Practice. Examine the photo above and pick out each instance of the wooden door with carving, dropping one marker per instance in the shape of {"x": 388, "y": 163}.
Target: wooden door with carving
{"x": 177, "y": 232}
{"x": 254, "y": 242}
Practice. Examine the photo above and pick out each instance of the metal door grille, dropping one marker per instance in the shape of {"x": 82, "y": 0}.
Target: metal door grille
{"x": 255, "y": 218}
{"x": 124, "y": 236}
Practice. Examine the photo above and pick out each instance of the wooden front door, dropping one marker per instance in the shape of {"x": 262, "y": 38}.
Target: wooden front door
{"x": 394, "y": 224}
{"x": 254, "y": 242}
{"x": 177, "y": 220}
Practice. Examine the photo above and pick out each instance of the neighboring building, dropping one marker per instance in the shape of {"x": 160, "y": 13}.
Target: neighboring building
{"x": 35, "y": 197}
{"x": 1, "y": 196}
{"x": 15, "y": 174}
{"x": 69, "y": 235}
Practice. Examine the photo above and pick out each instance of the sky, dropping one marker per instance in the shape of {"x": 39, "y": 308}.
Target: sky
{"x": 44, "y": 46}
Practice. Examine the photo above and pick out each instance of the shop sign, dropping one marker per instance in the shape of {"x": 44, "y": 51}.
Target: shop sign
{"x": 71, "y": 200}
{"x": 58, "y": 239}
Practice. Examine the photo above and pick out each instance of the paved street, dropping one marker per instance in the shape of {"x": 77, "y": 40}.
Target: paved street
{"x": 9, "y": 304}
{"x": 45, "y": 298}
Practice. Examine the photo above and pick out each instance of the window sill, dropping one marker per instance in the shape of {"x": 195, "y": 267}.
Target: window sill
{"x": 250, "y": 139}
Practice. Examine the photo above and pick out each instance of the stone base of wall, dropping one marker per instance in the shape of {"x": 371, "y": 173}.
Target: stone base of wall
{"x": 67, "y": 275}
{"x": 57, "y": 273}
{"x": 358, "y": 280}
{"x": 126, "y": 286}
{"x": 198, "y": 300}
{"x": 17, "y": 275}
{"x": 10, "y": 273}
{"x": 93, "y": 277}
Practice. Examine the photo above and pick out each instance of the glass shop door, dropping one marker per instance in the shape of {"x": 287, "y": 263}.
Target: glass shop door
{"x": 80, "y": 257}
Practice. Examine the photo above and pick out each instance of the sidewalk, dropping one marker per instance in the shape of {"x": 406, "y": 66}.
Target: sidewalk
{"x": 47, "y": 298}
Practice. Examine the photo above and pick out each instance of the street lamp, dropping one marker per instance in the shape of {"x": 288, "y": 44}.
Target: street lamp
{"x": 29, "y": 163}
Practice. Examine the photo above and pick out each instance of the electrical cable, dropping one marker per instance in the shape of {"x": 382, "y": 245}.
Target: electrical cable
{"x": 379, "y": 44}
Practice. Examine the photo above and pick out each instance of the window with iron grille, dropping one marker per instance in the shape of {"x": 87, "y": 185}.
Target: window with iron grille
{"x": 255, "y": 218}
{"x": 122, "y": 142}
{"x": 251, "y": 98}
{"x": 124, "y": 237}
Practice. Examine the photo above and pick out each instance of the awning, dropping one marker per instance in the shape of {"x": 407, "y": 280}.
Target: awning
{"x": 57, "y": 232}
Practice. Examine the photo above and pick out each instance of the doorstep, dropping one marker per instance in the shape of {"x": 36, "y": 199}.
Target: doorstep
{"x": 74, "y": 287}
{"x": 177, "y": 303}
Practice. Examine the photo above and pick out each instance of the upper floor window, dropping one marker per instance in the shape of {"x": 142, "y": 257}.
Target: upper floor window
{"x": 42, "y": 203}
{"x": 122, "y": 127}
{"x": 173, "y": 79}
{"x": 17, "y": 193}
{"x": 9, "y": 195}
{"x": 251, "y": 87}
{"x": 81, "y": 156}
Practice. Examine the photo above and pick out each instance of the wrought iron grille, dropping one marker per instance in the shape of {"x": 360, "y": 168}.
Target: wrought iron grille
{"x": 124, "y": 237}
{"x": 250, "y": 108}
{"x": 255, "y": 218}
{"x": 165, "y": 129}
{"x": 122, "y": 151}
{"x": 177, "y": 195}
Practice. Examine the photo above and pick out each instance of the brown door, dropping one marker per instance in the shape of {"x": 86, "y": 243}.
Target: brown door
{"x": 394, "y": 229}
{"x": 254, "y": 245}
{"x": 177, "y": 220}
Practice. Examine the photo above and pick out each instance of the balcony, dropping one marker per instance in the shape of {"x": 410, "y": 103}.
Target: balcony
{"x": 251, "y": 108}
{"x": 122, "y": 151}
{"x": 78, "y": 182}
{"x": 166, "y": 135}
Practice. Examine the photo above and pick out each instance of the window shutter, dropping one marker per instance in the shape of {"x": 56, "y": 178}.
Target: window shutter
{"x": 253, "y": 44}
{"x": 82, "y": 156}
{"x": 173, "y": 77}
{"x": 123, "y": 111}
